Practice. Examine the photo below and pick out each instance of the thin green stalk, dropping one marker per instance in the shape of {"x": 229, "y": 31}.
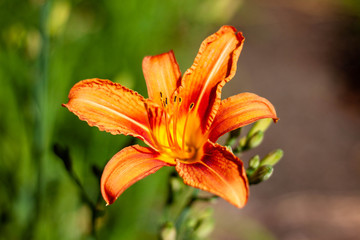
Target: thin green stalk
{"x": 64, "y": 154}
{"x": 41, "y": 97}
{"x": 181, "y": 200}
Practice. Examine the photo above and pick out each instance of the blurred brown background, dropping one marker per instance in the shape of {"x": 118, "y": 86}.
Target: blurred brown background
{"x": 304, "y": 57}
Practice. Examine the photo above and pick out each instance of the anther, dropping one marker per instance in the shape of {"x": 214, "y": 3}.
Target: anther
{"x": 179, "y": 99}
{"x": 161, "y": 94}
{"x": 166, "y": 101}
{"x": 175, "y": 99}
{"x": 191, "y": 106}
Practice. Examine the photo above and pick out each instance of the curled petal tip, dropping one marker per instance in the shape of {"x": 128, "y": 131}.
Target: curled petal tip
{"x": 108, "y": 199}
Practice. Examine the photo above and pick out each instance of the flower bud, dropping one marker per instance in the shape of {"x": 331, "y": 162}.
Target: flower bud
{"x": 168, "y": 231}
{"x": 242, "y": 142}
{"x": 204, "y": 223}
{"x": 233, "y": 137}
{"x": 260, "y": 125}
{"x": 58, "y": 17}
{"x": 205, "y": 228}
{"x": 254, "y": 162}
{"x": 263, "y": 173}
{"x": 176, "y": 184}
{"x": 272, "y": 158}
{"x": 255, "y": 140}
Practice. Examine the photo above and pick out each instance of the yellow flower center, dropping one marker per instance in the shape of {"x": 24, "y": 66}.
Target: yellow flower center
{"x": 171, "y": 133}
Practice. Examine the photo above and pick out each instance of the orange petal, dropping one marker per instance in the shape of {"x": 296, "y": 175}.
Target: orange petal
{"x": 219, "y": 172}
{"x": 238, "y": 111}
{"x": 110, "y": 107}
{"x": 127, "y": 167}
{"x": 214, "y": 65}
{"x": 162, "y": 74}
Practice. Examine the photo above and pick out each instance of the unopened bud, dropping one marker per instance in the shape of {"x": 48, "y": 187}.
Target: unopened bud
{"x": 204, "y": 223}
{"x": 233, "y": 136}
{"x": 255, "y": 140}
{"x": 168, "y": 231}
{"x": 230, "y": 142}
{"x": 254, "y": 162}
{"x": 272, "y": 158}
{"x": 191, "y": 223}
{"x": 260, "y": 125}
{"x": 242, "y": 142}
{"x": 207, "y": 213}
{"x": 263, "y": 173}
{"x": 205, "y": 228}
{"x": 176, "y": 184}
{"x": 58, "y": 17}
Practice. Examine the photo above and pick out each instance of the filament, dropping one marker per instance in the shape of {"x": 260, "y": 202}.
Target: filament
{"x": 185, "y": 125}
{"x": 175, "y": 123}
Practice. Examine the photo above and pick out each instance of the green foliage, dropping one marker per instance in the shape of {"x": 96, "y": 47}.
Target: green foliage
{"x": 45, "y": 48}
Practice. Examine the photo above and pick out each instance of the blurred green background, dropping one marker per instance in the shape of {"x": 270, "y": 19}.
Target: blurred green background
{"x": 48, "y": 46}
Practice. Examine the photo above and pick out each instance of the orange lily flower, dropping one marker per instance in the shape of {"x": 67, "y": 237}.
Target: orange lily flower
{"x": 180, "y": 121}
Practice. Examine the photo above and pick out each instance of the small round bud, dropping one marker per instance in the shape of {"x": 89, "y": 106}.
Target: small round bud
{"x": 260, "y": 125}
{"x": 255, "y": 140}
{"x": 254, "y": 162}
{"x": 272, "y": 158}
{"x": 168, "y": 231}
{"x": 263, "y": 173}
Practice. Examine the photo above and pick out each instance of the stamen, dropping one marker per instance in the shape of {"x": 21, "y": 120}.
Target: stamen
{"x": 185, "y": 125}
{"x": 191, "y": 106}
{"x": 164, "y": 103}
{"x": 158, "y": 144}
{"x": 152, "y": 123}
{"x": 168, "y": 135}
{"x": 175, "y": 99}
{"x": 175, "y": 115}
{"x": 163, "y": 147}
{"x": 154, "y": 127}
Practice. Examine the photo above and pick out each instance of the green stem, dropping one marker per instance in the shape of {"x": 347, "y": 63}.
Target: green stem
{"x": 180, "y": 201}
{"x": 39, "y": 143}
{"x": 176, "y": 203}
{"x": 64, "y": 154}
